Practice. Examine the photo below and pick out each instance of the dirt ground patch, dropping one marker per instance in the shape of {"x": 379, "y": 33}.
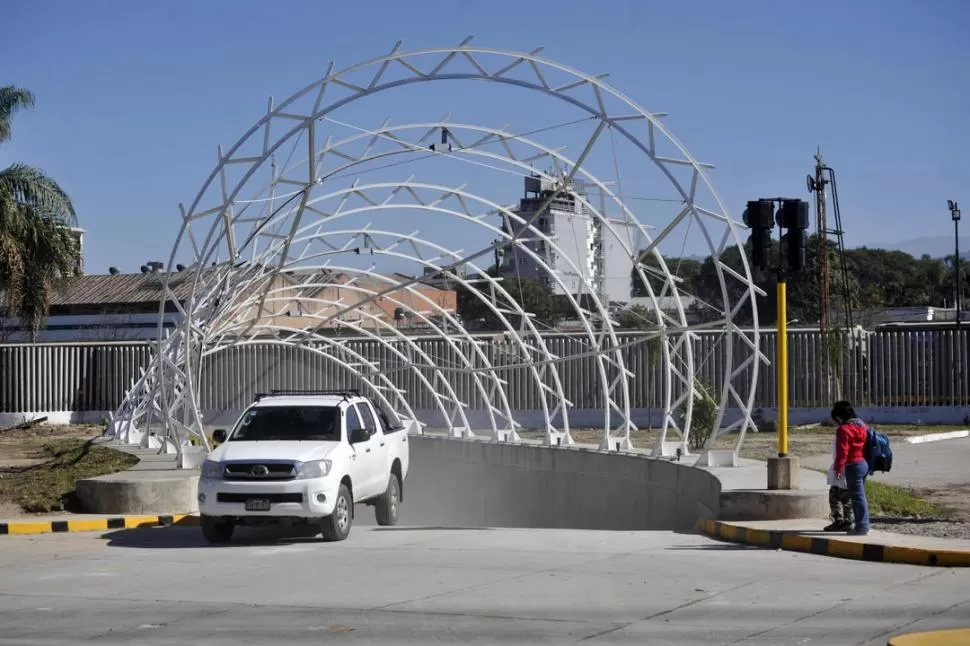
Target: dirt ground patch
{"x": 39, "y": 466}
{"x": 19, "y": 446}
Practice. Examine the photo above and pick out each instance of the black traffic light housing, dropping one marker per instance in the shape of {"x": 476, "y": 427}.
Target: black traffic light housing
{"x": 793, "y": 217}
{"x": 760, "y": 218}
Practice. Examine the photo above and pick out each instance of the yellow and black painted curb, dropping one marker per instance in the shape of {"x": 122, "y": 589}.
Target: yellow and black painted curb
{"x": 799, "y": 542}
{"x": 94, "y": 524}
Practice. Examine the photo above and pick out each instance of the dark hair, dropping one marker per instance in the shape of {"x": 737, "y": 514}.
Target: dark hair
{"x": 842, "y": 410}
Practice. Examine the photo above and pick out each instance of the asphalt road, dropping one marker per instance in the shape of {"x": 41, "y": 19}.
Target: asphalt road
{"x": 472, "y": 586}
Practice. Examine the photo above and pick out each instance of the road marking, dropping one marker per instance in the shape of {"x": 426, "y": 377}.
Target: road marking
{"x": 936, "y": 437}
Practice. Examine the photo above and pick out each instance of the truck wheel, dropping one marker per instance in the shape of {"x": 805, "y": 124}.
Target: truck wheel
{"x": 215, "y": 530}
{"x": 388, "y": 504}
{"x": 336, "y": 526}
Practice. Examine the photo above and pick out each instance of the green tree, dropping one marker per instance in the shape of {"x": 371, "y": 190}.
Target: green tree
{"x": 37, "y": 247}
{"x": 686, "y": 269}
{"x": 531, "y": 294}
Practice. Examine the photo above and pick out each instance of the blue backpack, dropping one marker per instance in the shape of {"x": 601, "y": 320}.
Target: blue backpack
{"x": 878, "y": 452}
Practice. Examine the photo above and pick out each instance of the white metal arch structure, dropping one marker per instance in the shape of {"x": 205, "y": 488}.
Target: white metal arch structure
{"x": 238, "y": 247}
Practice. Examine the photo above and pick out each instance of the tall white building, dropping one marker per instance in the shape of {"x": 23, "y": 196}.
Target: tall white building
{"x": 79, "y": 237}
{"x": 588, "y": 255}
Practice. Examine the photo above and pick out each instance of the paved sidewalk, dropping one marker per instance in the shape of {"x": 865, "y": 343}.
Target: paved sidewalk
{"x": 806, "y": 535}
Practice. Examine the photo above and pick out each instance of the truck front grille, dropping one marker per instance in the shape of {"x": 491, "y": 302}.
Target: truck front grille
{"x": 259, "y": 471}
{"x": 272, "y": 497}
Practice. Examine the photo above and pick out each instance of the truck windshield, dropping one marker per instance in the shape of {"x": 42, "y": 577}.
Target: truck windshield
{"x": 313, "y": 423}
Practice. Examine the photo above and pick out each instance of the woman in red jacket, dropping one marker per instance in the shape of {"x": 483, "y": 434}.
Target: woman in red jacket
{"x": 850, "y": 444}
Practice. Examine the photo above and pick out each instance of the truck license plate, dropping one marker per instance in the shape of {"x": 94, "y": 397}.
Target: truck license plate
{"x": 257, "y": 504}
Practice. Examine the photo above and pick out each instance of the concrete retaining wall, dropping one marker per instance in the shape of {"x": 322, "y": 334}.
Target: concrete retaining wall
{"x": 455, "y": 483}
{"x": 463, "y": 483}
{"x": 140, "y": 492}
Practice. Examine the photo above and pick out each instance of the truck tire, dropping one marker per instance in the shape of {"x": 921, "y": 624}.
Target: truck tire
{"x": 387, "y": 507}
{"x": 336, "y": 526}
{"x": 215, "y": 530}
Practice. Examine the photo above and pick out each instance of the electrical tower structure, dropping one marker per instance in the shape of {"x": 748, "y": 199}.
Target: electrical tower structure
{"x": 824, "y": 175}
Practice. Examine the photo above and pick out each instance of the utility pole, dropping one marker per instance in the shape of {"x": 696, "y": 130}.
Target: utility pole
{"x": 955, "y": 216}
{"x": 958, "y": 360}
{"x": 822, "y": 253}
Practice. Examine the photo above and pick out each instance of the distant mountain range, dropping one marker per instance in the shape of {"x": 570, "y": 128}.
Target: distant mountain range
{"x": 934, "y": 246}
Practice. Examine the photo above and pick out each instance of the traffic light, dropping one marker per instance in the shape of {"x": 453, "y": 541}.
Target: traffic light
{"x": 793, "y": 217}
{"x": 794, "y": 243}
{"x": 760, "y": 218}
{"x": 793, "y": 214}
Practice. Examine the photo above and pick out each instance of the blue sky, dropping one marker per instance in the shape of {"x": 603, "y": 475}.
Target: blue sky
{"x": 134, "y": 97}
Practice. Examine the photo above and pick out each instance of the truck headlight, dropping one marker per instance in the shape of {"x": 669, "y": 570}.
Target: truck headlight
{"x": 314, "y": 469}
{"x": 212, "y": 469}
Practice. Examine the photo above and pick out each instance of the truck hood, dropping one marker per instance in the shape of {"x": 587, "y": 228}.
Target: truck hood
{"x": 272, "y": 450}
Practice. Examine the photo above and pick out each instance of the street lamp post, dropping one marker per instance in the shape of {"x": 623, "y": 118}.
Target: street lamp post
{"x": 955, "y": 215}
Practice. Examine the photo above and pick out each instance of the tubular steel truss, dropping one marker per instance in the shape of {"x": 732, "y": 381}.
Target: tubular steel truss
{"x": 255, "y": 256}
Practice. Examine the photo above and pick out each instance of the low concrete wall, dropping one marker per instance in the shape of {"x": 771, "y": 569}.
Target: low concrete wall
{"x": 462, "y": 483}
{"x": 140, "y": 492}
{"x": 774, "y": 505}
{"x": 454, "y": 483}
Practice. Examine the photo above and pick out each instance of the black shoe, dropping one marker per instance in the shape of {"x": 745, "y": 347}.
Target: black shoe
{"x": 838, "y": 526}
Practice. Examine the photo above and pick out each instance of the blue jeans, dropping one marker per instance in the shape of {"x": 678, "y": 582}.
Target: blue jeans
{"x": 855, "y": 477}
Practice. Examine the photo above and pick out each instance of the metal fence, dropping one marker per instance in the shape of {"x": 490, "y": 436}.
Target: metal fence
{"x": 884, "y": 368}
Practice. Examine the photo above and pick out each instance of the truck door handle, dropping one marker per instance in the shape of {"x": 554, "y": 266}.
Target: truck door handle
{"x": 368, "y": 450}
{"x": 382, "y": 444}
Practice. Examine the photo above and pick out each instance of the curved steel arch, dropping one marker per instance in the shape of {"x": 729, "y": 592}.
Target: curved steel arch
{"x": 169, "y": 382}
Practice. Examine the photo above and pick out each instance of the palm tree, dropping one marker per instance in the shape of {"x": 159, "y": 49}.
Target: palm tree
{"x": 37, "y": 247}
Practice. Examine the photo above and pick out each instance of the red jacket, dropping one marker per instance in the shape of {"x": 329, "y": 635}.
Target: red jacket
{"x": 850, "y": 444}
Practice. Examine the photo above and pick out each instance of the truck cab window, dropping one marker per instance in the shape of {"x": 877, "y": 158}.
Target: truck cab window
{"x": 368, "y": 418}
{"x": 353, "y": 420}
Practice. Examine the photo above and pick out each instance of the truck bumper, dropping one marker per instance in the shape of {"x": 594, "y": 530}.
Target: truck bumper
{"x": 290, "y": 499}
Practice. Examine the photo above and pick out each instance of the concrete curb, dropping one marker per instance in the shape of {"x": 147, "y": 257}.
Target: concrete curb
{"x": 953, "y": 637}
{"x": 93, "y": 524}
{"x": 936, "y": 437}
{"x": 795, "y": 542}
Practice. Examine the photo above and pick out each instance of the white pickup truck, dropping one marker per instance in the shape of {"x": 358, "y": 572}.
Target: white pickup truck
{"x": 297, "y": 457}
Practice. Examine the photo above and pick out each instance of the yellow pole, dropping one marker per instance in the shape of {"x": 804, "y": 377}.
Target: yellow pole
{"x": 782, "y": 369}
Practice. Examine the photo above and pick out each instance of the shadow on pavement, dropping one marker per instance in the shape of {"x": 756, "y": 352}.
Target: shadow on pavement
{"x": 431, "y": 528}
{"x": 185, "y": 537}
{"x": 716, "y": 547}
{"x": 191, "y": 537}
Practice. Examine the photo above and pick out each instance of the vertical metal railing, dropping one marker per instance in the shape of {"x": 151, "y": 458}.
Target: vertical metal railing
{"x": 886, "y": 368}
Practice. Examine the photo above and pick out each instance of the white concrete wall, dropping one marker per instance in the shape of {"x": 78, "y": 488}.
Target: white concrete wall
{"x": 463, "y": 483}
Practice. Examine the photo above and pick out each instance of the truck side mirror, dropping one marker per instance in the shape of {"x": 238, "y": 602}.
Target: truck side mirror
{"x": 219, "y": 435}
{"x": 359, "y": 435}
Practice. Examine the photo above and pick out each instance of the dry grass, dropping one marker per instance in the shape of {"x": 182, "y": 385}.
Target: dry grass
{"x": 47, "y": 484}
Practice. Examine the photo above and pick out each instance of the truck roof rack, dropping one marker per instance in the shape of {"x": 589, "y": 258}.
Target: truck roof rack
{"x": 346, "y": 393}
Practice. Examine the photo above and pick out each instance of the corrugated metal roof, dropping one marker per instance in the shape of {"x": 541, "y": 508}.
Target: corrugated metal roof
{"x": 96, "y": 289}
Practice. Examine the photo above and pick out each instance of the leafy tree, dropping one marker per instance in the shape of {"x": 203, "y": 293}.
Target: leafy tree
{"x": 532, "y": 294}
{"x": 686, "y": 269}
{"x": 37, "y": 247}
